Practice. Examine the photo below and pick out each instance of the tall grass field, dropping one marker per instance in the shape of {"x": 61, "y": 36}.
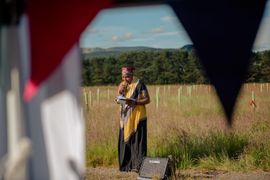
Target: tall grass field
{"x": 187, "y": 122}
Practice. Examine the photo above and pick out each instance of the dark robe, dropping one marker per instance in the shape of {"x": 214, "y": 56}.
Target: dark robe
{"x": 132, "y": 144}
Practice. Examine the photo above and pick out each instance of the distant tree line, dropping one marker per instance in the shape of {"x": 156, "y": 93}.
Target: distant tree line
{"x": 163, "y": 67}
{"x": 259, "y": 69}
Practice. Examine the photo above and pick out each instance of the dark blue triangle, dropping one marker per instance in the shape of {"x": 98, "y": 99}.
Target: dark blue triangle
{"x": 223, "y": 32}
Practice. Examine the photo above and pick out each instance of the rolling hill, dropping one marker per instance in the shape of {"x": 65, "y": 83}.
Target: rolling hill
{"x": 116, "y": 51}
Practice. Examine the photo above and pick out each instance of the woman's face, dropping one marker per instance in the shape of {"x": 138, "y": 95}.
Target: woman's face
{"x": 128, "y": 78}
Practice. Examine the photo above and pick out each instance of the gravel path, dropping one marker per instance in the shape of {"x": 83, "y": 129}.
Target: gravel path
{"x": 105, "y": 173}
{"x": 102, "y": 173}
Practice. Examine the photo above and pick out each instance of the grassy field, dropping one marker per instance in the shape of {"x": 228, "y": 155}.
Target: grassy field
{"x": 187, "y": 122}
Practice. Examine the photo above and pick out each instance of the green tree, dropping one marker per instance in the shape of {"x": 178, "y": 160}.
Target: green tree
{"x": 169, "y": 66}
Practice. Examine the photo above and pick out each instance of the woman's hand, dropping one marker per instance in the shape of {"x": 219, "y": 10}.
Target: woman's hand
{"x": 122, "y": 88}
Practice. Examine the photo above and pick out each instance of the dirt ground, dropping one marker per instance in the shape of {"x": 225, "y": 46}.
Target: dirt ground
{"x": 104, "y": 173}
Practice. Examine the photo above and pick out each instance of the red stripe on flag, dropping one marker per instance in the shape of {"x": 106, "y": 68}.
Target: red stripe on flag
{"x": 55, "y": 26}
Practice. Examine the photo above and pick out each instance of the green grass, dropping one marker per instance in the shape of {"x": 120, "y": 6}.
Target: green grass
{"x": 216, "y": 150}
{"x": 101, "y": 154}
{"x": 193, "y": 131}
{"x": 188, "y": 150}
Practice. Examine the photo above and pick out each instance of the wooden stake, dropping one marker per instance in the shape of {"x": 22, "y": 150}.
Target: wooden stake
{"x": 179, "y": 95}
{"x": 252, "y": 103}
{"x": 85, "y": 98}
{"x": 157, "y": 97}
{"x": 98, "y": 95}
{"x": 90, "y": 98}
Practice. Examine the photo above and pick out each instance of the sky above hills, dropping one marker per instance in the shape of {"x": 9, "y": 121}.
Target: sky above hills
{"x": 152, "y": 26}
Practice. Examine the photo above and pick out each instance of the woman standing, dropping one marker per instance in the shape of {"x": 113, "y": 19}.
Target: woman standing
{"x": 132, "y": 142}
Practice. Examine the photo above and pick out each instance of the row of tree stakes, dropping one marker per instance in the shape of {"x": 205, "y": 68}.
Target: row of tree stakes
{"x": 94, "y": 96}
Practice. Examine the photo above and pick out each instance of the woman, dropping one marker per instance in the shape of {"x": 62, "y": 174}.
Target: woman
{"x": 132, "y": 142}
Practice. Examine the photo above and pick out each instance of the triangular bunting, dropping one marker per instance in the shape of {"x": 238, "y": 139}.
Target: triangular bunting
{"x": 223, "y": 33}
{"x": 55, "y": 26}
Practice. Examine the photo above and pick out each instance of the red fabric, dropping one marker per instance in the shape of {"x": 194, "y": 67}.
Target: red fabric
{"x": 55, "y": 26}
{"x": 253, "y": 104}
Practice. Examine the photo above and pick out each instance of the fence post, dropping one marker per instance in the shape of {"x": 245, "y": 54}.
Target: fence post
{"x": 252, "y": 96}
{"x": 98, "y": 95}
{"x": 85, "y": 98}
{"x": 252, "y": 103}
{"x": 157, "y": 97}
{"x": 189, "y": 90}
{"x": 179, "y": 95}
{"x": 90, "y": 98}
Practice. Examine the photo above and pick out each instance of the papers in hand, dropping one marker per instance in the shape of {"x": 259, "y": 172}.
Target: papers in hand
{"x": 122, "y": 99}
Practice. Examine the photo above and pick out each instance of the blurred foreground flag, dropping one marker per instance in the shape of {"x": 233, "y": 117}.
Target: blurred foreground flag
{"x": 52, "y": 91}
{"x": 50, "y": 118}
{"x": 15, "y": 147}
{"x": 56, "y": 124}
{"x": 55, "y": 25}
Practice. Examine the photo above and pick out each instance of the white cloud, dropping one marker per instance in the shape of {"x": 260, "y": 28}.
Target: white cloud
{"x": 128, "y": 35}
{"x": 157, "y": 30}
{"x": 168, "y": 18}
{"x": 115, "y": 38}
{"x": 92, "y": 30}
{"x": 173, "y": 33}
{"x": 143, "y": 39}
{"x": 124, "y": 37}
{"x": 89, "y": 31}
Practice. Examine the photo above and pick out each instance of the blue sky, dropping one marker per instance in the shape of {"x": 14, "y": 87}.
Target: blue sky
{"x": 152, "y": 26}
{"x": 262, "y": 41}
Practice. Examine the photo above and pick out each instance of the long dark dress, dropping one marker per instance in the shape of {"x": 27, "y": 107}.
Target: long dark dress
{"x": 132, "y": 144}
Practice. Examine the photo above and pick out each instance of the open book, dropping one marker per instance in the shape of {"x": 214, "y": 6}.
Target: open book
{"x": 122, "y": 99}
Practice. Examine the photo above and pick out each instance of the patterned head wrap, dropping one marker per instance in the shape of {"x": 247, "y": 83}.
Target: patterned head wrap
{"x": 127, "y": 70}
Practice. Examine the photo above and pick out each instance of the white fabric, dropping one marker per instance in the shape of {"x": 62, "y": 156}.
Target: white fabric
{"x": 59, "y": 137}
{"x": 12, "y": 120}
{"x": 53, "y": 122}
{"x": 3, "y": 76}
